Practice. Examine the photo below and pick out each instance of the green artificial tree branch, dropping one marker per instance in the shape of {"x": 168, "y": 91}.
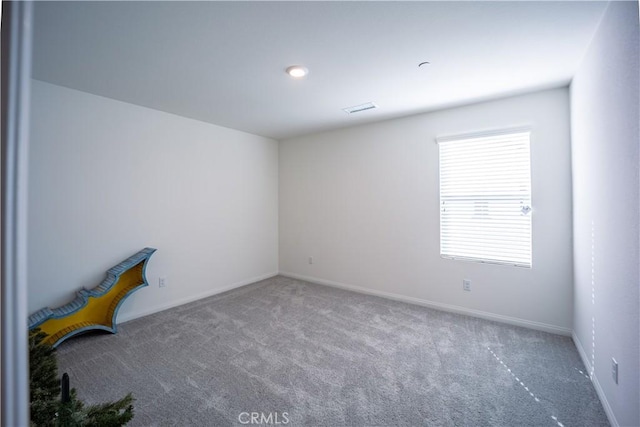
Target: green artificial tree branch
{"x": 47, "y": 409}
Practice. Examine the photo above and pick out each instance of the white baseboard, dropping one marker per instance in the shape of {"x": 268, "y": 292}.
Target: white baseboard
{"x": 437, "y": 305}
{"x": 192, "y": 298}
{"x": 594, "y": 379}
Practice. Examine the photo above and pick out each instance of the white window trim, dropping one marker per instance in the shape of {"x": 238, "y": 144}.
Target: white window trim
{"x": 484, "y": 133}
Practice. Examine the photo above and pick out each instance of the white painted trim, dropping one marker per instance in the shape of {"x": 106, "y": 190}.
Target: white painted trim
{"x": 583, "y": 354}
{"x": 594, "y": 379}
{"x": 437, "y": 305}
{"x": 16, "y": 37}
{"x": 126, "y": 318}
{"x": 483, "y": 134}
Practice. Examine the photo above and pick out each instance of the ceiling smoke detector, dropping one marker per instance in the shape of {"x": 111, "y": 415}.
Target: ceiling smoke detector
{"x": 359, "y": 108}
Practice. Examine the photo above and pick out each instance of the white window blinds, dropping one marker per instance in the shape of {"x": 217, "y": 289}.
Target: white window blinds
{"x": 485, "y": 198}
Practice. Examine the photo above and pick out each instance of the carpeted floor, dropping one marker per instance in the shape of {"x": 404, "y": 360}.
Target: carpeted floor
{"x": 309, "y": 355}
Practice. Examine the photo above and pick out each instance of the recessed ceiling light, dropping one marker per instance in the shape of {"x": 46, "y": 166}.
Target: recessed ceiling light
{"x": 297, "y": 71}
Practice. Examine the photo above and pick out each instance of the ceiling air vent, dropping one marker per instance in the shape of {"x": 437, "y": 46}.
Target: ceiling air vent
{"x": 361, "y": 107}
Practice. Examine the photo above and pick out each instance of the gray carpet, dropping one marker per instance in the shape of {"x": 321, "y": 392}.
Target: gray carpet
{"x": 318, "y": 356}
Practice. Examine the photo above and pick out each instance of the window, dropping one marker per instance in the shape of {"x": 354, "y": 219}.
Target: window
{"x": 485, "y": 198}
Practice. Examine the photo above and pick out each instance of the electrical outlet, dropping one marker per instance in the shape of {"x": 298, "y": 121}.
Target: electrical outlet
{"x": 614, "y": 370}
{"x": 310, "y": 260}
{"x": 162, "y": 282}
{"x": 466, "y": 285}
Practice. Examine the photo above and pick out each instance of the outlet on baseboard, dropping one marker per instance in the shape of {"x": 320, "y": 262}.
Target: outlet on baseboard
{"x": 614, "y": 370}
{"x": 162, "y": 282}
{"x": 466, "y": 285}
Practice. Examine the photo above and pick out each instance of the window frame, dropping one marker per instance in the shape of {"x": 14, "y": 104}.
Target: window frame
{"x": 489, "y": 137}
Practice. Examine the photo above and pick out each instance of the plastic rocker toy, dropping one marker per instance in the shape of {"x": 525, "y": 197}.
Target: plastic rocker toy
{"x": 96, "y": 308}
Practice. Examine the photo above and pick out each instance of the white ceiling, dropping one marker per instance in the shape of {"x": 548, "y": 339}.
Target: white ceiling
{"x": 223, "y": 62}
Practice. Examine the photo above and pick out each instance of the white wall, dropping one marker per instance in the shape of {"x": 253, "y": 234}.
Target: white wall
{"x": 108, "y": 178}
{"x": 364, "y": 203}
{"x": 604, "y": 119}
